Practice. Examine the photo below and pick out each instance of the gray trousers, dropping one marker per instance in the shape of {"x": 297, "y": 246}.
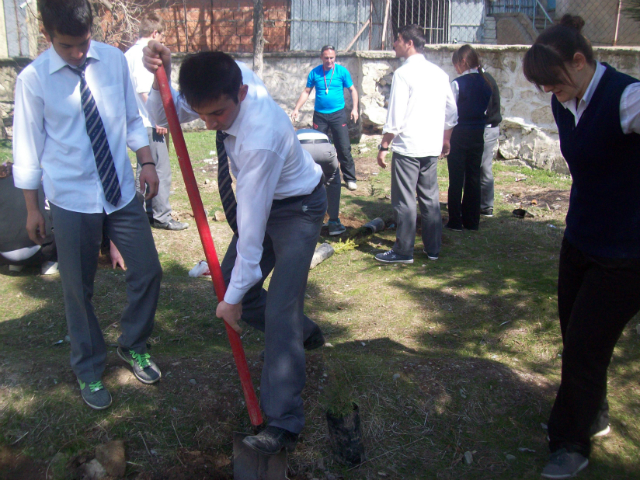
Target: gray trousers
{"x": 78, "y": 238}
{"x": 324, "y": 154}
{"x": 158, "y": 208}
{"x": 292, "y": 232}
{"x": 491, "y": 135}
{"x": 408, "y": 176}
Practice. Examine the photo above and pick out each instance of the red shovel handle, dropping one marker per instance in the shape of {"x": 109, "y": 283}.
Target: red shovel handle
{"x": 207, "y": 242}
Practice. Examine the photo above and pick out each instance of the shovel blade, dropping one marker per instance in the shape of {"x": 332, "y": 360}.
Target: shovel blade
{"x": 251, "y": 465}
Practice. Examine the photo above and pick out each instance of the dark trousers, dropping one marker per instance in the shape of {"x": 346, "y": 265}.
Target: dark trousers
{"x": 596, "y": 298}
{"x": 337, "y": 123}
{"x": 464, "y": 161}
{"x": 290, "y": 240}
{"x": 78, "y": 237}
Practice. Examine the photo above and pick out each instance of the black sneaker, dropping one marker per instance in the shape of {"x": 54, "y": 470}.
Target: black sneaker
{"x": 431, "y": 256}
{"x": 272, "y": 440}
{"x": 564, "y": 464}
{"x": 313, "y": 341}
{"x": 170, "y": 225}
{"x": 95, "y": 395}
{"x": 335, "y": 227}
{"x": 455, "y": 228}
{"x": 393, "y": 257}
{"x": 487, "y": 212}
{"x": 143, "y": 367}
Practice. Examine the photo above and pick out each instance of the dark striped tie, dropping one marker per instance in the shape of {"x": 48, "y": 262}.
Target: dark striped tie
{"x": 224, "y": 182}
{"x": 99, "y": 142}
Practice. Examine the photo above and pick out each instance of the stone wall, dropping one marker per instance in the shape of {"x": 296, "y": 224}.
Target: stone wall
{"x": 529, "y": 133}
{"x": 9, "y": 69}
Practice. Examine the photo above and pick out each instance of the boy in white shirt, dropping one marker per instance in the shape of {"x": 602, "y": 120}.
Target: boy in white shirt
{"x": 158, "y": 209}
{"x": 75, "y": 115}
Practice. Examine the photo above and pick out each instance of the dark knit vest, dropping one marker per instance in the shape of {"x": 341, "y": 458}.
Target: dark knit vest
{"x": 604, "y": 208}
{"x": 473, "y": 99}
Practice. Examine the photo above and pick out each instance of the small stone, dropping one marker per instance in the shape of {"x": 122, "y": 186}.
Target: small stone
{"x": 382, "y": 474}
{"x": 468, "y": 458}
{"x": 219, "y": 216}
{"x": 92, "y": 471}
{"x": 112, "y": 457}
{"x": 67, "y": 338}
{"x": 329, "y": 345}
{"x": 525, "y": 449}
{"x": 193, "y": 381}
{"x": 510, "y": 457}
{"x": 207, "y": 181}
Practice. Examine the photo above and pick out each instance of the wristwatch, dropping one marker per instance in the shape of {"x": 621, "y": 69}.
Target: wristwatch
{"x": 382, "y": 149}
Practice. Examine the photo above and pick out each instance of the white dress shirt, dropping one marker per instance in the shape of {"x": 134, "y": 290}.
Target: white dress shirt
{"x": 50, "y": 141}
{"x": 629, "y": 102}
{"x": 269, "y": 164}
{"x": 141, "y": 78}
{"x": 421, "y": 107}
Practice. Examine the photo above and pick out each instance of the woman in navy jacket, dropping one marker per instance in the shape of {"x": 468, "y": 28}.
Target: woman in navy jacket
{"x": 472, "y": 92}
{"x": 597, "y": 110}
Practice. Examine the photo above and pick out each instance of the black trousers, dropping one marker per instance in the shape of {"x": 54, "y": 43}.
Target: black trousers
{"x": 337, "y": 123}
{"x": 464, "y": 161}
{"x": 597, "y": 297}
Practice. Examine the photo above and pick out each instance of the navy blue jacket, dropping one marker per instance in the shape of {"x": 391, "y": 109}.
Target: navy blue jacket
{"x": 604, "y": 208}
{"x": 473, "y": 100}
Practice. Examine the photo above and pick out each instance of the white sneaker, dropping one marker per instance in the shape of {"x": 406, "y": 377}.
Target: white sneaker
{"x": 49, "y": 268}
{"x": 352, "y": 186}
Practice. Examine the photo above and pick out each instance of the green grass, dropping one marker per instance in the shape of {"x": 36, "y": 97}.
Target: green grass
{"x": 441, "y": 357}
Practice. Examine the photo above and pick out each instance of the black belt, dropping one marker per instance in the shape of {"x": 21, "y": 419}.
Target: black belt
{"x": 288, "y": 200}
{"x": 317, "y": 140}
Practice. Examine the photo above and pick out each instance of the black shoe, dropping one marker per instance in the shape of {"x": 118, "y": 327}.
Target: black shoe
{"x": 170, "y": 225}
{"x": 313, "y": 341}
{"x": 272, "y": 440}
{"x": 487, "y": 212}
{"x": 455, "y": 228}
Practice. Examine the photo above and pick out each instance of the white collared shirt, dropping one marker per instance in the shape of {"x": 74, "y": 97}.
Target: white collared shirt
{"x": 50, "y": 141}
{"x": 629, "y": 103}
{"x": 141, "y": 78}
{"x": 268, "y": 162}
{"x": 421, "y": 107}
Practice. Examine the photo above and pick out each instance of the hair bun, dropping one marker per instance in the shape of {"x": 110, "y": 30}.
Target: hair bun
{"x": 572, "y": 21}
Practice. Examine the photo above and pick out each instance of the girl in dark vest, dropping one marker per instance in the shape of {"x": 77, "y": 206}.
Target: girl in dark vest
{"x": 472, "y": 92}
{"x": 597, "y": 110}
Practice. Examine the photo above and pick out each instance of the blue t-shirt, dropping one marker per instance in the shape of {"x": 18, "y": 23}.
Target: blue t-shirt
{"x": 334, "y": 100}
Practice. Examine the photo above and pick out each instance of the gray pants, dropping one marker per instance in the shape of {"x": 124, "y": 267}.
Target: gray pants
{"x": 158, "y": 208}
{"x": 491, "y": 135}
{"x": 78, "y": 238}
{"x": 292, "y": 232}
{"x": 408, "y": 176}
{"x": 324, "y": 154}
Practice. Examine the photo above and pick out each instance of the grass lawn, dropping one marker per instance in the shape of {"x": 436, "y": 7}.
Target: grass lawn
{"x": 447, "y": 357}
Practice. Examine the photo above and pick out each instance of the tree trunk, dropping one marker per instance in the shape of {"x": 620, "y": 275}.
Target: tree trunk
{"x": 258, "y": 37}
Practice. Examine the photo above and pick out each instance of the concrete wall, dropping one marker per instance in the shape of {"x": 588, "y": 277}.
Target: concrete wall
{"x": 530, "y": 119}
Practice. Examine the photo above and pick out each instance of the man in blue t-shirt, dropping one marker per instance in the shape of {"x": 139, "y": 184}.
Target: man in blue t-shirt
{"x": 330, "y": 80}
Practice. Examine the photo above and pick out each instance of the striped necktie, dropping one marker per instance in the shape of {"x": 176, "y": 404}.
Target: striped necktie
{"x": 99, "y": 142}
{"x": 224, "y": 182}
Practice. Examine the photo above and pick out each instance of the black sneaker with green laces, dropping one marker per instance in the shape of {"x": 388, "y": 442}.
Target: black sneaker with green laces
{"x": 95, "y": 395}
{"x": 144, "y": 368}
